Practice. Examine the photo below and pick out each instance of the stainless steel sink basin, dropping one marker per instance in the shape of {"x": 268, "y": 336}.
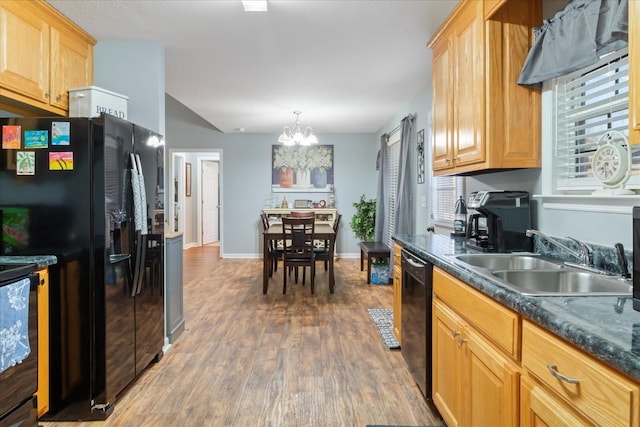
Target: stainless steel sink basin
{"x": 507, "y": 261}
{"x": 562, "y": 283}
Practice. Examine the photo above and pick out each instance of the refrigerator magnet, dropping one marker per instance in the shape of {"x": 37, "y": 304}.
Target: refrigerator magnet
{"x": 60, "y": 133}
{"x": 25, "y": 163}
{"x": 60, "y": 160}
{"x": 11, "y": 137}
{"x": 36, "y": 139}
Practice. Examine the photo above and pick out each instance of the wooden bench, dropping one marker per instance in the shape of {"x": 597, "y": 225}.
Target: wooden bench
{"x": 373, "y": 250}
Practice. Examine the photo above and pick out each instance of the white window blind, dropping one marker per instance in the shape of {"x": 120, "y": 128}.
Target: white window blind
{"x": 588, "y": 103}
{"x": 445, "y": 191}
{"x": 393, "y": 164}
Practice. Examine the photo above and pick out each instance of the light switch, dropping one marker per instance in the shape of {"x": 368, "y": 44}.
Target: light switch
{"x": 423, "y": 201}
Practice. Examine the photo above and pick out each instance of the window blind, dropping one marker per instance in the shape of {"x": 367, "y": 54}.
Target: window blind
{"x": 393, "y": 163}
{"x": 445, "y": 191}
{"x": 588, "y": 103}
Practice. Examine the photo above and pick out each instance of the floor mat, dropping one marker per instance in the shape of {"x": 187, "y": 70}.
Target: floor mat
{"x": 383, "y": 318}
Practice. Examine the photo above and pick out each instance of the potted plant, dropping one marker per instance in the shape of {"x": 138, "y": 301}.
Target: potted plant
{"x": 364, "y": 220}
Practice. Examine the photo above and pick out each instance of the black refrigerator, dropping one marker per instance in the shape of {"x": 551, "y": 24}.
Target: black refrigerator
{"x": 85, "y": 190}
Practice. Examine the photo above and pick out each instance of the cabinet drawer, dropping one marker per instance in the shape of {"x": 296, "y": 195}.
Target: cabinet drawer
{"x": 497, "y": 322}
{"x": 602, "y": 394}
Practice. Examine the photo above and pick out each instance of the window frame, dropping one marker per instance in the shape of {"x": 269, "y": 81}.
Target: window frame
{"x": 580, "y": 197}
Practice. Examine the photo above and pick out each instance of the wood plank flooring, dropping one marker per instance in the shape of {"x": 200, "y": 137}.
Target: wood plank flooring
{"x": 248, "y": 359}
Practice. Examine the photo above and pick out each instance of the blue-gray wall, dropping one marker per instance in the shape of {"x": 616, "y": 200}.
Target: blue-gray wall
{"x": 134, "y": 69}
{"x": 246, "y": 182}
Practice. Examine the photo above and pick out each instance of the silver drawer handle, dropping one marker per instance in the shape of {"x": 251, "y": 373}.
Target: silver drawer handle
{"x": 454, "y": 333}
{"x": 554, "y": 371}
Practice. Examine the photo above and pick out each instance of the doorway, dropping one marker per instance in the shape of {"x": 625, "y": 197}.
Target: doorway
{"x": 198, "y": 228}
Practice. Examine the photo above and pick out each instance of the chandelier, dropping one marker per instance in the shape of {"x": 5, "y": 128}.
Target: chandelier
{"x": 295, "y": 135}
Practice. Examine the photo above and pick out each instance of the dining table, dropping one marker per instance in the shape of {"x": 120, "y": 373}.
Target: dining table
{"x": 322, "y": 231}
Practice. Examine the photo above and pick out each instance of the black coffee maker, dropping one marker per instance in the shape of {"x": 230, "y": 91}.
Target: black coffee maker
{"x": 500, "y": 221}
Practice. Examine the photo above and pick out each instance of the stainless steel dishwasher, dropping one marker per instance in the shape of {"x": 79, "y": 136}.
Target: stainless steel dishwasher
{"x": 417, "y": 288}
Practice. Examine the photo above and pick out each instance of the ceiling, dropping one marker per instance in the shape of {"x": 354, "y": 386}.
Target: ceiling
{"x": 348, "y": 65}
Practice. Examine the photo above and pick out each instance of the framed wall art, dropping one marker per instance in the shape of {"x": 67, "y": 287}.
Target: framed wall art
{"x": 420, "y": 148}
{"x": 301, "y": 169}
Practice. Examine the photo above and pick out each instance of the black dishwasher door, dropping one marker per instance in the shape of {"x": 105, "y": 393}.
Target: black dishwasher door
{"x": 416, "y": 319}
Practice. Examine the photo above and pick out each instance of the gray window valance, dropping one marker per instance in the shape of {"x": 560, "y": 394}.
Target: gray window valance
{"x": 575, "y": 38}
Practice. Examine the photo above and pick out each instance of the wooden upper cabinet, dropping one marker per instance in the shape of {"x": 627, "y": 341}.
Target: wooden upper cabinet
{"x": 24, "y": 50}
{"x": 634, "y": 72}
{"x": 71, "y": 65}
{"x": 442, "y": 112}
{"x": 42, "y": 55}
{"x": 482, "y": 119}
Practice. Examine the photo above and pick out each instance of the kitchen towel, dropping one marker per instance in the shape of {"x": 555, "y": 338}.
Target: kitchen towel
{"x": 14, "y": 323}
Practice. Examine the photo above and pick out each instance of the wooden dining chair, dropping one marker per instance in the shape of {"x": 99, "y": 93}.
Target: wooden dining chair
{"x": 274, "y": 253}
{"x": 298, "y": 235}
{"x": 302, "y": 214}
{"x": 322, "y": 253}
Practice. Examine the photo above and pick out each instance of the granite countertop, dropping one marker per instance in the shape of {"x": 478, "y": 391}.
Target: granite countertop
{"x": 40, "y": 260}
{"x": 592, "y": 323}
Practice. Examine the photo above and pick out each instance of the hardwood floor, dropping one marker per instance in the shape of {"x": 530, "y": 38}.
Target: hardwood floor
{"x": 248, "y": 359}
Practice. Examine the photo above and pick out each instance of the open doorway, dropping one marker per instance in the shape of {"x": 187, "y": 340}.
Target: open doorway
{"x": 197, "y": 212}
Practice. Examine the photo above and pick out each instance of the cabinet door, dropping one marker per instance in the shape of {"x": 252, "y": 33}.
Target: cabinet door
{"x": 442, "y": 108}
{"x": 43, "y": 341}
{"x": 24, "y": 50}
{"x": 468, "y": 86}
{"x": 634, "y": 72}
{"x": 71, "y": 65}
{"x": 491, "y": 384}
{"x": 538, "y": 408}
{"x": 397, "y": 301}
{"x": 447, "y": 393}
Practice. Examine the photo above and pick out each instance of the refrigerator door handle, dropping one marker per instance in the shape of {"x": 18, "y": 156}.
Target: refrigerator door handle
{"x": 143, "y": 257}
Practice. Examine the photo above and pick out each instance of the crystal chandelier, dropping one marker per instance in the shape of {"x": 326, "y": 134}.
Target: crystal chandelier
{"x": 295, "y": 135}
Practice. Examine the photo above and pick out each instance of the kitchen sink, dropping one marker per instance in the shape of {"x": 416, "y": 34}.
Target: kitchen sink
{"x": 563, "y": 283}
{"x": 507, "y": 261}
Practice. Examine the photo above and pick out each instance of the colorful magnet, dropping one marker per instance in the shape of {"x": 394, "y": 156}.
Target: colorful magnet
{"x": 61, "y": 160}
{"x": 36, "y": 139}
{"x": 60, "y": 133}
{"x": 25, "y": 163}
{"x": 11, "y": 137}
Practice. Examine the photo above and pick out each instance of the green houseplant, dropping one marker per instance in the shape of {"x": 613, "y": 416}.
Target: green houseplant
{"x": 364, "y": 220}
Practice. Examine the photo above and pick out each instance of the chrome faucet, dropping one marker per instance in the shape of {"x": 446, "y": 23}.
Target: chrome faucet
{"x": 585, "y": 254}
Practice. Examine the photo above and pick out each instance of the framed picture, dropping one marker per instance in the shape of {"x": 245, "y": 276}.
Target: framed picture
{"x": 187, "y": 168}
{"x": 420, "y": 148}
{"x": 296, "y": 168}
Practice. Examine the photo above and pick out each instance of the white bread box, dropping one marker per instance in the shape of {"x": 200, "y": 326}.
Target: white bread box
{"x": 90, "y": 101}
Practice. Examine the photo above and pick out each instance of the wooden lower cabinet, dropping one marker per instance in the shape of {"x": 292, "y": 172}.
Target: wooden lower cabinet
{"x": 475, "y": 350}
{"x": 538, "y": 408}
{"x": 474, "y": 384}
{"x": 493, "y": 368}
{"x": 576, "y": 380}
{"x": 397, "y": 292}
{"x": 43, "y": 341}
{"x": 447, "y": 365}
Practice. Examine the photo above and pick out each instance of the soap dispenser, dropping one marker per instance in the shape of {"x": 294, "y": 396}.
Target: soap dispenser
{"x": 460, "y": 220}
